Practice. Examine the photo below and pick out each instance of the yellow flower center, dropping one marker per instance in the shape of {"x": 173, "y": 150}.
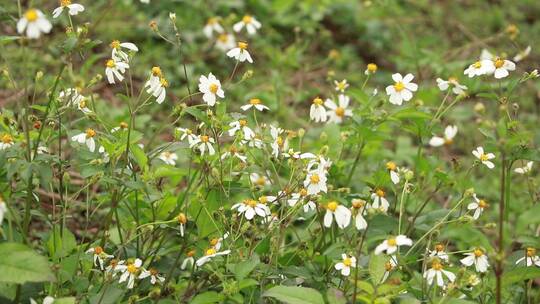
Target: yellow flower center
{"x": 315, "y": 179}
{"x": 358, "y": 203}
{"x": 65, "y": 3}
{"x": 399, "y": 86}
{"x": 247, "y": 19}
{"x": 213, "y": 242}
{"x": 342, "y": 85}
{"x": 332, "y": 206}
{"x": 242, "y": 45}
{"x": 7, "y": 139}
{"x": 483, "y": 157}
{"x": 115, "y": 44}
{"x": 379, "y": 192}
{"x": 156, "y": 71}
{"x": 242, "y": 122}
{"x": 190, "y": 253}
{"x": 153, "y": 272}
{"x": 477, "y": 65}
{"x": 318, "y": 101}
{"x": 303, "y": 192}
{"x": 131, "y": 268}
{"x": 263, "y": 199}
{"x": 31, "y": 15}
{"x": 392, "y": 242}
{"x": 223, "y": 38}
{"x": 123, "y": 125}
{"x": 439, "y": 247}
{"x": 82, "y": 104}
{"x": 340, "y": 111}
{"x": 255, "y": 101}
{"x": 498, "y": 63}
{"x": 212, "y": 20}
{"x": 372, "y": 67}
{"x": 279, "y": 141}
{"x": 391, "y": 166}
{"x": 210, "y": 251}
{"x": 189, "y": 132}
{"x": 181, "y": 218}
{"x": 478, "y": 252}
{"x": 213, "y": 88}
{"x": 388, "y": 266}
{"x": 164, "y": 83}
{"x": 531, "y": 252}
{"x": 260, "y": 181}
{"x": 448, "y": 141}
{"x": 251, "y": 203}
{"x": 205, "y": 138}
{"x": 452, "y": 80}
{"x": 436, "y": 266}
{"x": 110, "y": 63}
{"x": 233, "y": 149}
{"x": 98, "y": 250}
{"x": 347, "y": 262}
{"x": 90, "y": 133}
{"x": 483, "y": 204}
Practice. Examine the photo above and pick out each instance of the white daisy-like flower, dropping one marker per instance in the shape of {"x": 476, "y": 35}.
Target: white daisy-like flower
{"x": 209, "y": 254}
{"x": 153, "y": 274}
{"x": 70, "y": 96}
{"x": 86, "y": 138}
{"x": 168, "y": 157}
{"x": 130, "y": 272}
{"x": 3, "y": 209}
{"x": 439, "y": 252}
{"x": 187, "y": 133}
{"x": 211, "y": 88}
{"x": 485, "y": 158}
{"x": 359, "y": 209}
{"x": 478, "y": 205}
{"x": 212, "y": 25}
{"x": 298, "y": 155}
{"x": 317, "y": 112}
{"x": 259, "y": 180}
{"x": 502, "y": 66}
{"x": 34, "y": 23}
{"x": 233, "y": 152}
{"x": 391, "y": 245}
{"x": 225, "y": 42}
{"x": 118, "y": 54}
{"x": 476, "y": 258}
{"x": 337, "y": 212}
{"x": 189, "y": 261}
{"x": 278, "y": 143}
{"x": 99, "y": 256}
{"x": 480, "y": 67}
{"x": 402, "y": 89}
{"x": 115, "y": 69}
{"x": 181, "y": 218}
{"x": 249, "y": 208}
{"x": 241, "y": 125}
{"x": 254, "y": 103}
{"x": 449, "y": 134}
{"x": 112, "y": 269}
{"x": 457, "y": 88}
{"x": 530, "y": 258}
{"x": 436, "y": 272}
{"x": 83, "y": 107}
{"x": 379, "y": 200}
{"x": 346, "y": 264}
{"x": 122, "y": 126}
{"x": 525, "y": 169}
{"x": 337, "y": 112}
{"x": 249, "y": 22}
{"x": 46, "y": 300}
{"x": 341, "y": 86}
{"x": 73, "y": 8}
{"x": 302, "y": 196}
{"x": 254, "y": 142}
{"x": 6, "y": 141}
{"x": 216, "y": 243}
{"x": 240, "y": 53}
{"x": 204, "y": 143}
{"x": 315, "y": 182}
{"x": 394, "y": 174}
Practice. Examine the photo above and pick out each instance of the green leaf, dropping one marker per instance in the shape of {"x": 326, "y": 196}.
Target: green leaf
{"x": 60, "y": 244}
{"x": 208, "y": 297}
{"x": 67, "y": 300}
{"x": 243, "y": 269}
{"x": 108, "y": 295}
{"x": 20, "y": 264}
{"x": 295, "y": 295}
{"x": 140, "y": 156}
{"x": 520, "y": 274}
{"x": 376, "y": 268}
{"x": 335, "y": 296}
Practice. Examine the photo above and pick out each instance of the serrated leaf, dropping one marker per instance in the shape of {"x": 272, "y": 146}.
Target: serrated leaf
{"x": 376, "y": 268}
{"x": 20, "y": 264}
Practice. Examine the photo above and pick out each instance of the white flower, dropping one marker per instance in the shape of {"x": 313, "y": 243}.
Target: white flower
{"x": 394, "y": 174}
{"x": 253, "y": 143}
{"x": 181, "y": 218}
{"x": 168, "y": 157}
{"x": 240, "y": 53}
{"x": 225, "y": 42}
{"x": 35, "y": 23}
{"x": 3, "y": 210}
{"x": 112, "y": 268}
{"x": 341, "y": 86}
{"x": 99, "y": 256}
{"x": 457, "y": 88}
{"x": 6, "y": 141}
{"x": 46, "y": 300}
{"x": 104, "y": 155}
{"x": 251, "y": 24}
{"x": 249, "y": 208}
{"x": 481, "y": 67}
{"x": 241, "y": 125}
{"x": 345, "y": 265}
{"x": 86, "y": 138}
{"x": 123, "y": 126}
{"x": 337, "y": 112}
{"x": 359, "y": 208}
{"x": 129, "y": 272}
{"x": 189, "y": 261}
{"x": 83, "y": 107}
{"x": 259, "y": 180}
{"x": 216, "y": 243}
{"x": 187, "y": 133}
{"x": 278, "y": 144}
{"x": 115, "y": 69}
{"x": 340, "y": 213}
{"x": 118, "y": 53}
{"x": 256, "y": 103}
{"x": 525, "y": 169}
{"x": 439, "y": 252}
{"x": 204, "y": 143}
{"x": 315, "y": 182}
{"x": 478, "y": 205}
{"x": 530, "y": 257}
{"x": 523, "y": 54}
{"x": 389, "y": 266}
{"x": 302, "y": 195}
{"x": 502, "y": 66}
{"x": 210, "y": 254}
{"x": 233, "y": 152}
{"x": 70, "y": 96}
{"x": 449, "y": 134}
{"x": 153, "y": 274}
{"x": 157, "y": 85}
{"x": 73, "y": 9}
{"x": 437, "y": 271}
{"x": 210, "y": 87}
{"x": 478, "y": 258}
{"x": 298, "y": 155}
{"x": 391, "y": 245}
{"x": 317, "y": 112}
{"x": 212, "y": 25}
{"x": 402, "y": 89}
{"x": 379, "y": 200}
{"x": 483, "y": 157}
